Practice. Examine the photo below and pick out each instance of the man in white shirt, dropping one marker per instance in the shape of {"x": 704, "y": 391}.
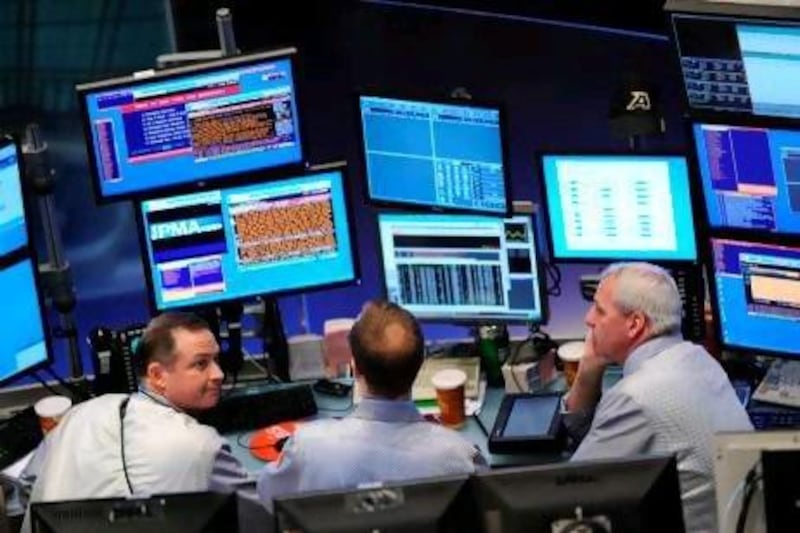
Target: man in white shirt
{"x": 673, "y": 395}
{"x": 147, "y": 443}
{"x": 385, "y": 438}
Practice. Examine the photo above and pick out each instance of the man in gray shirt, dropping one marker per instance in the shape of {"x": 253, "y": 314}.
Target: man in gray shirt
{"x": 673, "y": 395}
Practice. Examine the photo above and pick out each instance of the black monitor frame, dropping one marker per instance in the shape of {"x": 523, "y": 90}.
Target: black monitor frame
{"x": 694, "y": 200}
{"x": 249, "y": 180}
{"x": 540, "y": 273}
{"x": 429, "y": 99}
{"x": 28, "y": 252}
{"x": 84, "y": 89}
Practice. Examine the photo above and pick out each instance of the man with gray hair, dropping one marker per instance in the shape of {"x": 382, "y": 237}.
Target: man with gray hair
{"x": 673, "y": 396}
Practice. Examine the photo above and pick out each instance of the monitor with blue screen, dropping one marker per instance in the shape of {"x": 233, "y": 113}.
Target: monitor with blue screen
{"x": 756, "y": 295}
{"x": 445, "y": 156}
{"x": 619, "y": 207}
{"x": 750, "y": 176}
{"x": 13, "y": 233}
{"x": 246, "y": 240}
{"x": 739, "y": 63}
{"x": 22, "y": 322}
{"x": 462, "y": 267}
{"x": 191, "y": 124}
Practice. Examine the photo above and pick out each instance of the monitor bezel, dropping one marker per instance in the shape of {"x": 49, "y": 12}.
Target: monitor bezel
{"x": 694, "y": 160}
{"x": 85, "y": 89}
{"x": 725, "y": 12}
{"x": 472, "y": 320}
{"x": 28, "y": 252}
{"x": 433, "y": 99}
{"x": 699, "y": 229}
{"x": 713, "y": 298}
{"x": 336, "y": 167}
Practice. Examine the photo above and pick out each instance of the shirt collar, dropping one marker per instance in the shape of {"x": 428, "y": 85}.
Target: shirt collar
{"x": 647, "y": 350}
{"x": 387, "y": 410}
{"x": 148, "y": 394}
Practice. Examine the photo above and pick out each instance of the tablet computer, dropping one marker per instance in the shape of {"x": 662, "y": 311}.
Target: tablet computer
{"x": 527, "y": 423}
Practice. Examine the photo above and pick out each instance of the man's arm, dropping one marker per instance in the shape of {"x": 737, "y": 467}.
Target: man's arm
{"x": 584, "y": 395}
{"x": 228, "y": 475}
{"x": 281, "y": 476}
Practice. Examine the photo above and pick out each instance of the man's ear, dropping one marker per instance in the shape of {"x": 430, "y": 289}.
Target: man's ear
{"x": 157, "y": 376}
{"x": 637, "y": 324}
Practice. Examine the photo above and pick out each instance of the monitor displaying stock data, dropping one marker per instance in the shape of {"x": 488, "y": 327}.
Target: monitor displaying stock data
{"x": 188, "y": 125}
{"x": 619, "y": 207}
{"x": 750, "y": 176}
{"x": 462, "y": 267}
{"x": 738, "y": 64}
{"x": 248, "y": 240}
{"x": 13, "y": 232}
{"x": 757, "y": 295}
{"x": 444, "y": 156}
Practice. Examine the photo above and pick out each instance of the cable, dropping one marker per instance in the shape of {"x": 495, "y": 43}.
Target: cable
{"x": 750, "y": 483}
{"x": 50, "y": 389}
{"x": 477, "y": 418}
{"x": 552, "y": 270}
{"x": 75, "y": 392}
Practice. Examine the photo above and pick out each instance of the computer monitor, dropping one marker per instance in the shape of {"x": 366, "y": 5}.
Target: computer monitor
{"x": 250, "y": 239}
{"x": 440, "y": 505}
{"x": 13, "y": 230}
{"x": 736, "y": 455}
{"x": 756, "y": 295}
{"x": 441, "y": 155}
{"x": 737, "y": 58}
{"x": 462, "y": 267}
{"x": 184, "y": 126}
{"x": 23, "y": 327}
{"x": 609, "y": 207}
{"x": 635, "y": 494}
{"x": 202, "y": 512}
{"x": 750, "y": 177}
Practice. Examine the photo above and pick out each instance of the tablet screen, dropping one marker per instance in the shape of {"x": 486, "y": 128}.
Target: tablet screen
{"x": 531, "y": 416}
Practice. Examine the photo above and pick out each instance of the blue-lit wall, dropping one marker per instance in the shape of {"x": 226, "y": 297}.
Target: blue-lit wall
{"x": 555, "y": 82}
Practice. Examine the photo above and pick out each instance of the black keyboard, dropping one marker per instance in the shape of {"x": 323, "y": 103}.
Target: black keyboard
{"x": 19, "y": 435}
{"x": 773, "y": 417}
{"x": 251, "y": 409}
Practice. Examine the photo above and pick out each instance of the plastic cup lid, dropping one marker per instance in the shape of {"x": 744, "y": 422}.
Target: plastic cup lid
{"x": 449, "y": 378}
{"x": 52, "y": 406}
{"x": 571, "y": 351}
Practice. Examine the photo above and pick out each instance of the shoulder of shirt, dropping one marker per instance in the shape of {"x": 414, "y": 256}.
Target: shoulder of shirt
{"x": 182, "y": 426}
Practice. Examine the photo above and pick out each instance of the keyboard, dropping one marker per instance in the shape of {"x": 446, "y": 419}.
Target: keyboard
{"x": 766, "y": 416}
{"x": 19, "y": 435}
{"x": 249, "y": 409}
{"x": 781, "y": 385}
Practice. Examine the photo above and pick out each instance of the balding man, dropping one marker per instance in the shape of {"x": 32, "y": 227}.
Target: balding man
{"x": 385, "y": 438}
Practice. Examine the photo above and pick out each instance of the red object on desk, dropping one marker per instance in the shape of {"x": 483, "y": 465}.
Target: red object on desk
{"x": 265, "y": 443}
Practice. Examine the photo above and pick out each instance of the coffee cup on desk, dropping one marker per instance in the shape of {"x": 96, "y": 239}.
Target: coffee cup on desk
{"x": 449, "y": 384}
{"x": 50, "y": 410}
{"x": 570, "y": 354}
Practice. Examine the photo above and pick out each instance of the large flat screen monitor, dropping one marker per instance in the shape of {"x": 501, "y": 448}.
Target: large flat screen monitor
{"x": 446, "y": 156}
{"x": 191, "y": 124}
{"x": 636, "y": 494}
{"x": 750, "y": 176}
{"x": 245, "y": 240}
{"x": 462, "y": 267}
{"x": 13, "y": 231}
{"x": 756, "y": 294}
{"x": 739, "y": 63}
{"x": 440, "y": 505}
{"x": 619, "y": 207}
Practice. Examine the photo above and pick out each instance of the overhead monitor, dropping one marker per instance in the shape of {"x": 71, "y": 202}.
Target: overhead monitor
{"x": 181, "y": 127}
{"x": 737, "y": 58}
{"x": 462, "y": 267}
{"x": 440, "y": 155}
{"x": 201, "y": 512}
{"x": 635, "y": 494}
{"x": 608, "y": 207}
{"x": 250, "y": 239}
{"x": 13, "y": 231}
{"x": 750, "y": 176}
{"x": 433, "y": 505}
{"x": 22, "y": 322}
{"x": 756, "y": 294}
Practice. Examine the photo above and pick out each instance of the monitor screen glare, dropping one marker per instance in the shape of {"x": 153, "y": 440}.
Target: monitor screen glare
{"x": 198, "y": 125}
{"x": 247, "y": 240}
{"x": 446, "y": 156}
{"x": 619, "y": 207}
{"x": 462, "y": 267}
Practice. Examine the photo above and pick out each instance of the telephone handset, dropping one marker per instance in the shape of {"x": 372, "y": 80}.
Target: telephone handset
{"x": 113, "y": 353}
